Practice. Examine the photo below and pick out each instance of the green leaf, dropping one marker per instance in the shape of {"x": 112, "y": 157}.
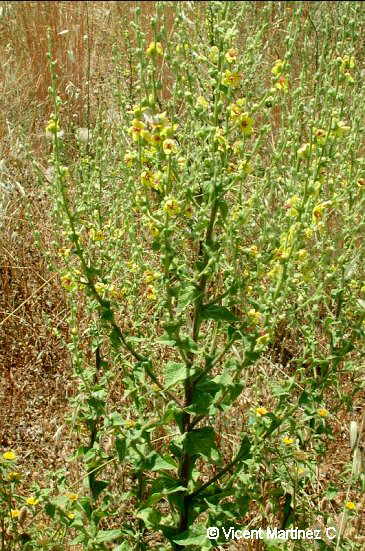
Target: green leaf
{"x": 121, "y": 447}
{"x": 202, "y": 442}
{"x": 97, "y": 486}
{"x": 203, "y": 396}
{"x": 115, "y": 419}
{"x": 164, "y": 485}
{"x": 186, "y": 297}
{"x": 155, "y": 462}
{"x": 50, "y": 509}
{"x": 166, "y": 340}
{"x": 106, "y": 313}
{"x": 108, "y": 535}
{"x": 195, "y": 536}
{"x": 123, "y": 547}
{"x": 79, "y": 539}
{"x": 217, "y": 313}
{"x": 150, "y": 517}
{"x": 244, "y": 451}
{"x": 164, "y": 463}
{"x": 174, "y": 373}
{"x": 332, "y": 491}
{"x": 86, "y": 506}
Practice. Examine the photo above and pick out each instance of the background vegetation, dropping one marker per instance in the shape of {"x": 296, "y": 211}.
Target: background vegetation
{"x": 182, "y": 273}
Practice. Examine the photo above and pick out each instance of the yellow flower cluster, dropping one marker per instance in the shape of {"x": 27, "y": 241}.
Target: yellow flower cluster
{"x": 154, "y": 48}
{"x": 231, "y": 79}
{"x": 155, "y": 130}
{"x": 242, "y": 119}
{"x": 347, "y": 63}
{"x": 152, "y": 179}
{"x": 288, "y": 441}
{"x": 9, "y": 456}
{"x": 255, "y": 316}
{"x": 172, "y": 207}
{"x": 281, "y": 81}
{"x": 231, "y": 55}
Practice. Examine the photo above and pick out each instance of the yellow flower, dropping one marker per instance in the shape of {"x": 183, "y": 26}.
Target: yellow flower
{"x": 132, "y": 266}
{"x": 231, "y": 55}
{"x": 235, "y": 109}
{"x": 151, "y": 179}
{"x": 202, "y": 102}
{"x": 100, "y": 288}
{"x": 136, "y": 129}
{"x": 320, "y": 135}
{"x": 129, "y": 423}
{"x": 64, "y": 252}
{"x": 72, "y": 497}
{"x": 14, "y": 475}
{"x": 10, "y": 456}
{"x": 154, "y": 231}
{"x": 172, "y": 207}
{"x": 155, "y": 139}
{"x": 147, "y": 178}
{"x": 96, "y": 235}
{"x": 118, "y": 293}
{"x": 261, "y": 411}
{"x": 169, "y": 146}
{"x": 282, "y": 253}
{"x": 231, "y": 79}
{"x": 278, "y": 67}
{"x": 68, "y": 282}
{"x": 244, "y": 168}
{"x": 31, "y": 501}
{"x": 288, "y": 441}
{"x": 145, "y": 134}
{"x": 308, "y": 232}
{"x": 157, "y": 121}
{"x": 282, "y": 84}
{"x": 347, "y": 62}
{"x": 350, "y": 505}
{"x": 238, "y": 146}
{"x": 302, "y": 254}
{"x": 53, "y": 126}
{"x": 138, "y": 110}
{"x": 245, "y": 124}
{"x": 154, "y": 48}
{"x": 317, "y": 212}
{"x": 263, "y": 339}
{"x": 300, "y": 471}
{"x": 322, "y": 412}
{"x": 255, "y": 316}
{"x": 70, "y": 515}
{"x": 150, "y": 276}
{"x": 291, "y": 205}
{"x": 15, "y": 513}
{"x": 151, "y": 293}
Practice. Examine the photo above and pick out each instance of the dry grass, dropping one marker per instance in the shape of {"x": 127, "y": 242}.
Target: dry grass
{"x": 35, "y": 370}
